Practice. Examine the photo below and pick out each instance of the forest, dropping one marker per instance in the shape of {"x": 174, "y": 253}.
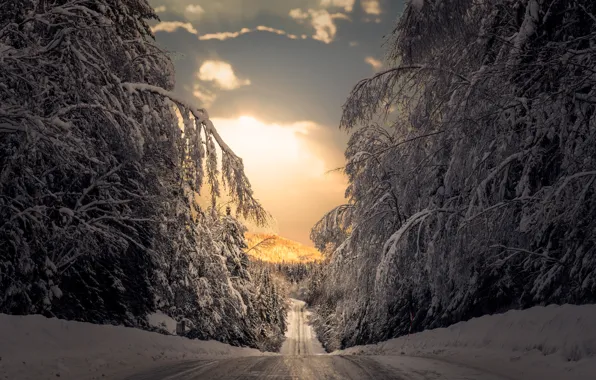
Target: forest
{"x": 471, "y": 167}
{"x": 471, "y": 170}
{"x": 98, "y": 219}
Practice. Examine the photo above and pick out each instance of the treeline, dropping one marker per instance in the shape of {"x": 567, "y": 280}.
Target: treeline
{"x": 270, "y": 306}
{"x": 472, "y": 172}
{"x": 97, "y": 221}
{"x": 293, "y": 273}
{"x": 274, "y": 248}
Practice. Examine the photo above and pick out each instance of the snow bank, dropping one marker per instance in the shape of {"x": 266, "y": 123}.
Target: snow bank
{"x": 553, "y": 342}
{"x": 37, "y": 348}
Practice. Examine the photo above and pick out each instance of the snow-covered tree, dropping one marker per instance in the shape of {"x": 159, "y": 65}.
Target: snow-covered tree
{"x": 97, "y": 178}
{"x": 269, "y": 306}
{"x": 471, "y": 169}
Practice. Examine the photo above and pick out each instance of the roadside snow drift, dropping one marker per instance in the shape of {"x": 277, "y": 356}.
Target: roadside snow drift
{"x": 553, "y": 342}
{"x": 37, "y": 348}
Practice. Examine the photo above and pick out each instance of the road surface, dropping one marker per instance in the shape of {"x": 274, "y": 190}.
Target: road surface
{"x": 303, "y": 358}
{"x": 300, "y": 337}
{"x": 316, "y": 367}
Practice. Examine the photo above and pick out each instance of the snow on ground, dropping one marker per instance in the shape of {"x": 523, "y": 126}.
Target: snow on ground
{"x": 546, "y": 343}
{"x": 162, "y": 321}
{"x": 37, "y": 348}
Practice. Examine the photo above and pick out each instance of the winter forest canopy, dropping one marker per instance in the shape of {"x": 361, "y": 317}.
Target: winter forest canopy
{"x": 97, "y": 181}
{"x": 479, "y": 196}
{"x": 471, "y": 170}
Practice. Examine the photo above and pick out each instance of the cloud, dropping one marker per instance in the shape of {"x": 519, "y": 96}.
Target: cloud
{"x": 276, "y": 31}
{"x": 298, "y": 14}
{"x": 172, "y": 26}
{"x": 375, "y": 63}
{"x": 323, "y": 23}
{"x": 193, "y": 12}
{"x": 205, "y": 95}
{"x": 371, "y": 7}
{"x": 321, "y": 20}
{"x": 191, "y": 8}
{"x": 214, "y": 76}
{"x": 227, "y": 35}
{"x": 325, "y": 28}
{"x": 234, "y": 12}
{"x": 224, "y": 35}
{"x": 347, "y": 5}
{"x": 222, "y": 74}
{"x": 160, "y": 9}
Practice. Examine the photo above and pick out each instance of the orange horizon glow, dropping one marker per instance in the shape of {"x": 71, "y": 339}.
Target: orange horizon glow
{"x": 287, "y": 165}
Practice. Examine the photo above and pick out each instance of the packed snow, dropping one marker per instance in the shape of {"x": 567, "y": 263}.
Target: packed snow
{"x": 36, "y": 348}
{"x": 553, "y": 342}
{"x": 300, "y": 337}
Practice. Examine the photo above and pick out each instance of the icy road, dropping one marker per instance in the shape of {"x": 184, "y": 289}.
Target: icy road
{"x": 303, "y": 358}
{"x": 300, "y": 337}
{"x": 316, "y": 367}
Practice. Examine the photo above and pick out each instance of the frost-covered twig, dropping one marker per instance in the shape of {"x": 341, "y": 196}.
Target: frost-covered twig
{"x": 521, "y": 250}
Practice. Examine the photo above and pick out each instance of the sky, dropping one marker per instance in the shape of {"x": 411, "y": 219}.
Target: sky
{"x": 273, "y": 75}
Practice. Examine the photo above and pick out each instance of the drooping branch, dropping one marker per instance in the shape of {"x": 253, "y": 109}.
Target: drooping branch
{"x": 368, "y": 95}
{"x": 239, "y": 188}
{"x": 332, "y": 227}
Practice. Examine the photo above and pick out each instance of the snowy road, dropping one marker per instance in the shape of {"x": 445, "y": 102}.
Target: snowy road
{"x": 275, "y": 367}
{"x": 303, "y": 358}
{"x": 300, "y": 337}
{"x": 315, "y": 367}
{"x": 37, "y": 348}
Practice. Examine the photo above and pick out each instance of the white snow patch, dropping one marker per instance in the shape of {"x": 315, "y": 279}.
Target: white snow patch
{"x": 35, "y": 347}
{"x": 56, "y": 291}
{"x": 542, "y": 343}
{"x": 163, "y": 321}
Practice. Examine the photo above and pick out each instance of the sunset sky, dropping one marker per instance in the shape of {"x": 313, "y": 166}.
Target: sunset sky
{"x": 273, "y": 75}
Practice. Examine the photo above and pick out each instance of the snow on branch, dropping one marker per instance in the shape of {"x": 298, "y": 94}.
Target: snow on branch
{"x": 371, "y": 93}
{"x": 233, "y": 167}
{"x": 517, "y": 251}
{"x": 482, "y": 174}
{"x": 333, "y": 227}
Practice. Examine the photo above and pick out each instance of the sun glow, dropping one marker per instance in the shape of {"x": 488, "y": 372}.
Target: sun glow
{"x": 266, "y": 145}
{"x": 286, "y": 165}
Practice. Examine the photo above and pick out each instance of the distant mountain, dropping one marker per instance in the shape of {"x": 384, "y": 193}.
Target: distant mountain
{"x": 276, "y": 249}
